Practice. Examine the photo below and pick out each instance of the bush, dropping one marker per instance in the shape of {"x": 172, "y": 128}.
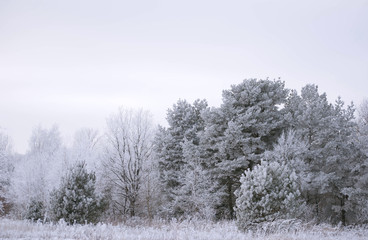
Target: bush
{"x": 268, "y": 192}
{"x": 35, "y": 210}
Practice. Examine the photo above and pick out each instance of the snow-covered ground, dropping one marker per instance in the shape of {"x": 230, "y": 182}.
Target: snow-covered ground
{"x": 15, "y": 229}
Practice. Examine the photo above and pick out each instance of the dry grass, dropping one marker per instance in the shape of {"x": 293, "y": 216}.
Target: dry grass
{"x": 285, "y": 230}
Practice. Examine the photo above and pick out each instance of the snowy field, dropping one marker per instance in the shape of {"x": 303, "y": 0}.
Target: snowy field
{"x": 15, "y": 229}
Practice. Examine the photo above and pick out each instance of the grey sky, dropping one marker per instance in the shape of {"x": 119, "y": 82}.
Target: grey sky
{"x": 74, "y": 62}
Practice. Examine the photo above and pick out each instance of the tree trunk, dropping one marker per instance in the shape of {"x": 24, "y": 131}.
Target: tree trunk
{"x": 230, "y": 198}
{"x": 343, "y": 211}
{"x": 132, "y": 208}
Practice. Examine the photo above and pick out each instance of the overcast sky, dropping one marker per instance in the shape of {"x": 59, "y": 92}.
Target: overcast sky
{"x": 75, "y": 62}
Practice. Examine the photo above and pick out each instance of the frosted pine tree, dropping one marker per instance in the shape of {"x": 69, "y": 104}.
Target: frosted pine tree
{"x": 358, "y": 194}
{"x": 269, "y": 192}
{"x": 75, "y": 200}
{"x": 331, "y": 156}
{"x": 342, "y": 157}
{"x": 237, "y": 134}
{"x": 196, "y": 196}
{"x": 290, "y": 149}
{"x": 35, "y": 210}
{"x": 185, "y": 123}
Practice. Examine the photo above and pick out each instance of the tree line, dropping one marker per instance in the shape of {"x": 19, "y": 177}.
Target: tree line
{"x": 266, "y": 153}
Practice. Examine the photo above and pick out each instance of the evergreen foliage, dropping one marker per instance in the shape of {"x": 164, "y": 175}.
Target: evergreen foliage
{"x": 238, "y": 133}
{"x": 263, "y": 155}
{"x": 328, "y": 131}
{"x": 185, "y": 124}
{"x": 195, "y": 197}
{"x": 76, "y": 200}
{"x": 268, "y": 192}
{"x": 35, "y": 210}
{"x": 358, "y": 193}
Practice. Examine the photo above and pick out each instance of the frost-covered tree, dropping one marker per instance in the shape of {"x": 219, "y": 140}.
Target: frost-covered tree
{"x": 310, "y": 115}
{"x": 290, "y": 149}
{"x": 328, "y": 131}
{"x": 38, "y": 171}
{"x": 128, "y": 149}
{"x": 150, "y": 195}
{"x": 44, "y": 141}
{"x": 268, "y": 192}
{"x": 86, "y": 147}
{"x": 185, "y": 124}
{"x": 196, "y": 195}
{"x": 237, "y": 134}
{"x": 362, "y": 130}
{"x": 363, "y": 112}
{"x": 358, "y": 194}
{"x": 343, "y": 156}
{"x": 75, "y": 200}
{"x": 272, "y": 189}
{"x": 6, "y": 168}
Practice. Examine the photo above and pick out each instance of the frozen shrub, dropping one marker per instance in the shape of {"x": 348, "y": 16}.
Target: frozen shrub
{"x": 35, "y": 210}
{"x": 268, "y": 192}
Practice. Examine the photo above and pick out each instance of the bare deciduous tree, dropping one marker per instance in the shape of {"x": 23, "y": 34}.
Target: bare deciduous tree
{"x": 86, "y": 147}
{"x": 129, "y": 147}
{"x": 39, "y": 171}
{"x": 363, "y": 112}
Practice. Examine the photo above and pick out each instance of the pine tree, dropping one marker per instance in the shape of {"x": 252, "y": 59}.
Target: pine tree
{"x": 195, "y": 197}
{"x": 343, "y": 156}
{"x": 185, "y": 124}
{"x": 75, "y": 200}
{"x": 291, "y": 150}
{"x": 331, "y": 155}
{"x": 237, "y": 134}
{"x": 357, "y": 195}
{"x": 272, "y": 189}
{"x": 35, "y": 210}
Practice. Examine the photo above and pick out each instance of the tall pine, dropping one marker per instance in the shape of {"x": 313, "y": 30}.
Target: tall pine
{"x": 237, "y": 134}
{"x": 185, "y": 123}
{"x": 328, "y": 131}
